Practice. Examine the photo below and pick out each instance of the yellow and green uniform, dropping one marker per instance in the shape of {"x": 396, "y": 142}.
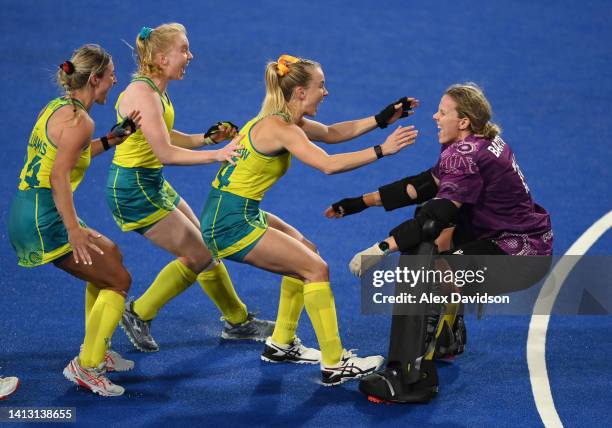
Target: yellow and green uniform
{"x": 232, "y": 222}
{"x": 139, "y": 196}
{"x": 39, "y": 236}
{"x": 36, "y": 229}
{"x": 136, "y": 191}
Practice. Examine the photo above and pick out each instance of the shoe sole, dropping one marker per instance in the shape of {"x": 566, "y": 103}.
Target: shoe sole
{"x": 256, "y": 339}
{"x": 269, "y": 360}
{"x": 4, "y": 397}
{"x": 346, "y": 379}
{"x": 116, "y": 369}
{"x": 136, "y": 345}
{"x": 376, "y": 400}
{"x": 68, "y": 375}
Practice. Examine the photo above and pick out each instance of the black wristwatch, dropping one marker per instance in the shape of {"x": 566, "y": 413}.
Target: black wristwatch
{"x": 384, "y": 247}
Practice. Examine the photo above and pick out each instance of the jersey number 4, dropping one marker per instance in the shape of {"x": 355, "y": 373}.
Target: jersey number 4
{"x": 31, "y": 176}
{"x": 224, "y": 175}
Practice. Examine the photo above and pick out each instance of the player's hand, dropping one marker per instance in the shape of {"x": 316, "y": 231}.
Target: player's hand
{"x": 122, "y": 130}
{"x": 400, "y": 138}
{"x": 394, "y": 111}
{"x": 220, "y": 132}
{"x": 346, "y": 206}
{"x": 82, "y": 241}
{"x": 230, "y": 152}
{"x": 366, "y": 260}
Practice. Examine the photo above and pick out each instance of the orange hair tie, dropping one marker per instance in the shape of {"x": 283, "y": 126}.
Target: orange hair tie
{"x": 283, "y": 63}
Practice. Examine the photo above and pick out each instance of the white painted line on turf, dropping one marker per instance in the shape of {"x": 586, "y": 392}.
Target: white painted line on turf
{"x": 536, "y": 340}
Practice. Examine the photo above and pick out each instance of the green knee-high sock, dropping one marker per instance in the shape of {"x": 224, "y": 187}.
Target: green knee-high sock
{"x": 91, "y": 294}
{"x": 171, "y": 281}
{"x": 217, "y": 284}
{"x": 319, "y": 302}
{"x": 290, "y": 307}
{"x": 102, "y": 322}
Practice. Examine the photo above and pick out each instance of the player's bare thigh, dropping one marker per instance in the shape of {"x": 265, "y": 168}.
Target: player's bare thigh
{"x": 177, "y": 234}
{"x": 281, "y": 253}
{"x": 279, "y": 224}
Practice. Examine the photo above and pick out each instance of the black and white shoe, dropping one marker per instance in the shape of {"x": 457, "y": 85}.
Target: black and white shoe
{"x": 350, "y": 367}
{"x": 294, "y": 352}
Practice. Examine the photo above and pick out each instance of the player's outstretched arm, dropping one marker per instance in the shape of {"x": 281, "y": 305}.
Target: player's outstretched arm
{"x": 348, "y": 206}
{"x": 156, "y": 133}
{"x": 415, "y": 189}
{"x": 217, "y": 133}
{"x": 345, "y": 131}
{"x": 117, "y": 135}
{"x": 293, "y": 139}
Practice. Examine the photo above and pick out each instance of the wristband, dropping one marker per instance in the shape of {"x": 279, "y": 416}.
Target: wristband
{"x": 104, "y": 141}
{"x": 378, "y": 151}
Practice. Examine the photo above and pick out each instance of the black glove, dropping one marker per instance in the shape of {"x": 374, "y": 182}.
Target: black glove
{"x": 348, "y": 206}
{"x": 385, "y": 114}
{"x": 217, "y": 127}
{"x": 120, "y": 129}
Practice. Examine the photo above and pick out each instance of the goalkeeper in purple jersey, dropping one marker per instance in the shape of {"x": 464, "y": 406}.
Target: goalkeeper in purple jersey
{"x": 477, "y": 187}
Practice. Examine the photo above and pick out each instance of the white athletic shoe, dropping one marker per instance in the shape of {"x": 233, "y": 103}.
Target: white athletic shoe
{"x": 350, "y": 367}
{"x": 116, "y": 363}
{"x": 294, "y": 352}
{"x": 8, "y": 385}
{"x": 93, "y": 378}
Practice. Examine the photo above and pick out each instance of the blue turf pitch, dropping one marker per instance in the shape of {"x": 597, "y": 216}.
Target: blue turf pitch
{"x": 545, "y": 66}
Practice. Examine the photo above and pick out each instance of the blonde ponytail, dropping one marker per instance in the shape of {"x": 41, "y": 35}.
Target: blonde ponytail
{"x": 282, "y": 77}
{"x": 491, "y": 130}
{"x": 88, "y": 60}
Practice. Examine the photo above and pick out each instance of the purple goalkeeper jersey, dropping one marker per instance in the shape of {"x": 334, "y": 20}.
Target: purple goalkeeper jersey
{"x": 483, "y": 175}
